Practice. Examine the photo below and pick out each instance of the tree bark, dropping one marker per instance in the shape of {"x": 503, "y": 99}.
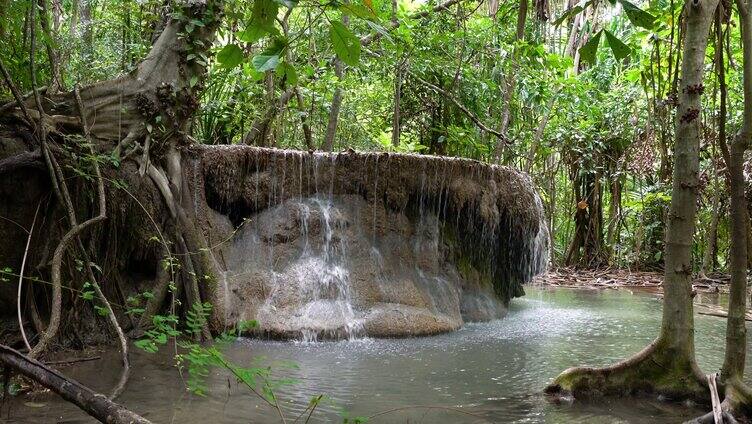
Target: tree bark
{"x": 732, "y": 372}
{"x": 396, "y": 104}
{"x": 708, "y": 257}
{"x": 56, "y": 78}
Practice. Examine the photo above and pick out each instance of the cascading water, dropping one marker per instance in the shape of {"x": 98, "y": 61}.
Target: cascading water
{"x": 346, "y": 245}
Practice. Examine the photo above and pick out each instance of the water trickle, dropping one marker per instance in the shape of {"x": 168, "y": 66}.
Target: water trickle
{"x": 350, "y": 244}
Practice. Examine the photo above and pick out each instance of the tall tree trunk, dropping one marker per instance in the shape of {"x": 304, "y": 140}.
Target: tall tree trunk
{"x": 307, "y": 134}
{"x": 510, "y": 84}
{"x": 87, "y": 32}
{"x": 331, "y": 126}
{"x": 74, "y": 16}
{"x": 396, "y": 102}
{"x": 708, "y": 257}
{"x": 668, "y": 364}
{"x": 396, "y": 105}
{"x": 737, "y": 395}
{"x": 56, "y": 78}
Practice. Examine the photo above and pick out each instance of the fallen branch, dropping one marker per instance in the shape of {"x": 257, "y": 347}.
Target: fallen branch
{"x": 73, "y": 360}
{"x": 94, "y": 404}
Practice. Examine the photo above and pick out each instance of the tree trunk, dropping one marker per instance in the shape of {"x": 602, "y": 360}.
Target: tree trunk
{"x": 396, "y": 105}
{"x": 737, "y": 395}
{"x": 510, "y": 84}
{"x": 144, "y": 112}
{"x": 708, "y": 257}
{"x": 668, "y": 364}
{"x": 87, "y": 34}
{"x": 56, "y": 78}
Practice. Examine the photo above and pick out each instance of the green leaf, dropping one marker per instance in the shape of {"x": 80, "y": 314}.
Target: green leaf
{"x": 346, "y": 45}
{"x": 358, "y": 10}
{"x": 285, "y": 70}
{"x": 263, "y": 63}
{"x": 618, "y": 47}
{"x": 587, "y": 52}
{"x": 252, "y": 33}
{"x": 569, "y": 12}
{"x": 262, "y": 21}
{"x": 380, "y": 29}
{"x": 230, "y": 56}
{"x": 638, "y": 16}
{"x": 572, "y": 12}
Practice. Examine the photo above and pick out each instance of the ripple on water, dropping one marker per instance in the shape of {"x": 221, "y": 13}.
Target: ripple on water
{"x": 495, "y": 370}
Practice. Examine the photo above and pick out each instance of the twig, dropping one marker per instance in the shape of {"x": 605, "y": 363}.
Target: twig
{"x": 74, "y": 360}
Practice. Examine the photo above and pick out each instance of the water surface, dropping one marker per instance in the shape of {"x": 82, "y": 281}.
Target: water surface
{"x": 494, "y": 371}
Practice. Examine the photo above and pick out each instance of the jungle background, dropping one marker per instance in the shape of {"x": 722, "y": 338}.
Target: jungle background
{"x": 580, "y": 95}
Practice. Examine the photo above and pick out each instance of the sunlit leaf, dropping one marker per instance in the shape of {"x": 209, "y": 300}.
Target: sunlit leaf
{"x": 263, "y": 63}
{"x": 230, "y": 56}
{"x": 358, "y": 10}
{"x": 346, "y": 45}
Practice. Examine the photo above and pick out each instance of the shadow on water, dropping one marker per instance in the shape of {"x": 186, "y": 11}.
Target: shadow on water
{"x": 494, "y": 371}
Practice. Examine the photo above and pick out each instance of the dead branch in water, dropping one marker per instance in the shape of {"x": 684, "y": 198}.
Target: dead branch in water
{"x": 94, "y": 404}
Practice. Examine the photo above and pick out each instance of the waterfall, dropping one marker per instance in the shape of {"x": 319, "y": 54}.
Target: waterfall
{"x": 350, "y": 244}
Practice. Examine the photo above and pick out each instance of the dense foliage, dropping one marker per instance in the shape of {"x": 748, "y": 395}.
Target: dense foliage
{"x": 580, "y": 95}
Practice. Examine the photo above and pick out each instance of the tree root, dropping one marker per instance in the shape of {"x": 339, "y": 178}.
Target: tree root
{"x": 160, "y": 292}
{"x": 20, "y": 278}
{"x": 737, "y": 402}
{"x": 655, "y": 369}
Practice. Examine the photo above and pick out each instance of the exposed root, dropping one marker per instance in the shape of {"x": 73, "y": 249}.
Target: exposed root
{"x": 160, "y": 292}
{"x": 655, "y": 369}
{"x": 54, "y": 324}
{"x": 737, "y": 400}
{"x": 736, "y": 403}
{"x": 20, "y": 279}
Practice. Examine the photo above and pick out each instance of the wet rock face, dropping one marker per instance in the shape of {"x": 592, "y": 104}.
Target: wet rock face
{"x": 340, "y": 267}
{"x": 352, "y": 244}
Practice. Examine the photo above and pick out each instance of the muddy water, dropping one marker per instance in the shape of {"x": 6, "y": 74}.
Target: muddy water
{"x": 493, "y": 371}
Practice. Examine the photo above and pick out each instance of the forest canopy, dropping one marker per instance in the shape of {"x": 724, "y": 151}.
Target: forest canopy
{"x": 581, "y": 95}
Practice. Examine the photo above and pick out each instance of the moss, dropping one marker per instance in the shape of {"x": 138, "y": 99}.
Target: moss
{"x": 654, "y": 371}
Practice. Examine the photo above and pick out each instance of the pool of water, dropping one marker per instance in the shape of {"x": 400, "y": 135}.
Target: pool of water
{"x": 489, "y": 372}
